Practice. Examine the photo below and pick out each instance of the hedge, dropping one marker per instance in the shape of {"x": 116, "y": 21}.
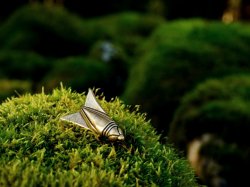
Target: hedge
{"x": 38, "y": 149}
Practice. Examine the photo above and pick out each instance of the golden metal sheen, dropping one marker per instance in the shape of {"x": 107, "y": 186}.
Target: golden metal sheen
{"x": 92, "y": 117}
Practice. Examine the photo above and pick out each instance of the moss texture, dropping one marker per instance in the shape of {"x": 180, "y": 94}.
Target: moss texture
{"x": 39, "y": 42}
{"x": 55, "y": 32}
{"x": 78, "y": 72}
{"x": 221, "y": 108}
{"x": 217, "y": 106}
{"x": 178, "y": 56}
{"x": 37, "y": 149}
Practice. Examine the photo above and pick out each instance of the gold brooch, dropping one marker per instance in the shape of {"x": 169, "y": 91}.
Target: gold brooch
{"x": 92, "y": 117}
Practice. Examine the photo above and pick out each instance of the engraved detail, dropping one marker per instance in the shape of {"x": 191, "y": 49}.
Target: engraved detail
{"x": 107, "y": 129}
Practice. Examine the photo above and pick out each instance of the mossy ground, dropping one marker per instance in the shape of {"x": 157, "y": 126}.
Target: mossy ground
{"x": 37, "y": 149}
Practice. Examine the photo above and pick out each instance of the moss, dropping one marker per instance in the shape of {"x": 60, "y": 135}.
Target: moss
{"x": 217, "y": 107}
{"x": 77, "y": 72}
{"x": 38, "y": 149}
{"x": 55, "y": 32}
{"x": 43, "y": 29}
{"x": 36, "y": 40}
{"x": 128, "y": 29}
{"x": 23, "y": 65}
{"x": 179, "y": 55}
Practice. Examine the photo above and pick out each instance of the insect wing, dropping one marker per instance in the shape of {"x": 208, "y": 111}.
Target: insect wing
{"x": 75, "y": 118}
{"x": 91, "y": 102}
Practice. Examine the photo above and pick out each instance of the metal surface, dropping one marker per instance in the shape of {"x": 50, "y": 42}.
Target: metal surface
{"x": 92, "y": 116}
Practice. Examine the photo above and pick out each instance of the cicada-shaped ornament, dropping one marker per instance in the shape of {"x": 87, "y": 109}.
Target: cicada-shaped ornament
{"x": 92, "y": 117}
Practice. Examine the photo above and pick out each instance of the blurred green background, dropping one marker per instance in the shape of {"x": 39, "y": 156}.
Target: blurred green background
{"x": 186, "y": 63}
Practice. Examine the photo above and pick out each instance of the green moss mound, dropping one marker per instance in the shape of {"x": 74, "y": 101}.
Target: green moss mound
{"x": 77, "y": 72}
{"x": 221, "y": 108}
{"x": 23, "y": 65}
{"x": 38, "y": 149}
{"x": 37, "y": 40}
{"x": 217, "y": 106}
{"x": 128, "y": 29}
{"x": 180, "y": 54}
{"x": 43, "y": 29}
{"x": 53, "y": 31}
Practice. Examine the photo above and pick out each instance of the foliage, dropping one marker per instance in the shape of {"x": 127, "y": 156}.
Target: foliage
{"x": 220, "y": 107}
{"x": 38, "y": 149}
{"x": 179, "y": 55}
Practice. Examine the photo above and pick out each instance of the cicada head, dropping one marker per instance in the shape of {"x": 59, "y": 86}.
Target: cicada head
{"x": 113, "y": 132}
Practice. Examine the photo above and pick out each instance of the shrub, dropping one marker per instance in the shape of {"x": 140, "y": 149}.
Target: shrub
{"x": 179, "y": 55}
{"x": 38, "y": 149}
{"x": 221, "y": 108}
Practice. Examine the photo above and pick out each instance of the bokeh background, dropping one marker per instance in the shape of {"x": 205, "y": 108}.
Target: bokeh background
{"x": 186, "y": 63}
